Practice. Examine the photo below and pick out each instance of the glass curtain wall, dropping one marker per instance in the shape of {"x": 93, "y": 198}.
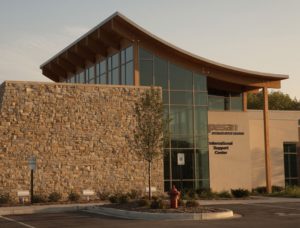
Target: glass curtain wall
{"x": 290, "y": 164}
{"x": 224, "y": 101}
{"x": 116, "y": 69}
{"x": 185, "y": 103}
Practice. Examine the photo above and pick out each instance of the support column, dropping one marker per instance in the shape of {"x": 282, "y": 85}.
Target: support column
{"x": 245, "y": 101}
{"x": 267, "y": 141}
{"x": 136, "y": 71}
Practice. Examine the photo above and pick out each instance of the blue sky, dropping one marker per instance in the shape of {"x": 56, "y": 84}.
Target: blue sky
{"x": 262, "y": 35}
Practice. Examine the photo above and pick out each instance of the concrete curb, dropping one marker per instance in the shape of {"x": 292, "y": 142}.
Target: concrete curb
{"x": 136, "y": 215}
{"x": 45, "y": 208}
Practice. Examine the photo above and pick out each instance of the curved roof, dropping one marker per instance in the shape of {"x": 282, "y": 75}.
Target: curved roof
{"x": 120, "y": 26}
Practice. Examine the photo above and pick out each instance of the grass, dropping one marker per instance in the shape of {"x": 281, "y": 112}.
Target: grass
{"x": 290, "y": 191}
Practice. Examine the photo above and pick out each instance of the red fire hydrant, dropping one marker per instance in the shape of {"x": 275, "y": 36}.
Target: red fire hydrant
{"x": 174, "y": 197}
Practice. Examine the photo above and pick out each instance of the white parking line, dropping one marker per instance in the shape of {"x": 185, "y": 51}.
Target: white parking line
{"x": 20, "y": 223}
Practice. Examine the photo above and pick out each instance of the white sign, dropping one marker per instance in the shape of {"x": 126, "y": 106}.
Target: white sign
{"x": 32, "y": 163}
{"x": 180, "y": 159}
{"x": 23, "y": 193}
{"x": 88, "y": 192}
{"x": 153, "y": 189}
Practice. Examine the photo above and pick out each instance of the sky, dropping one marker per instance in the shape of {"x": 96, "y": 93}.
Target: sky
{"x": 260, "y": 35}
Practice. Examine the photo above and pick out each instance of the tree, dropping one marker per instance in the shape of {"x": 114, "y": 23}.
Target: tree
{"x": 148, "y": 136}
{"x": 277, "y": 101}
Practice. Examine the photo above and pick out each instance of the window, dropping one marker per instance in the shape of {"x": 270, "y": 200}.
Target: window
{"x": 290, "y": 163}
{"x": 185, "y": 104}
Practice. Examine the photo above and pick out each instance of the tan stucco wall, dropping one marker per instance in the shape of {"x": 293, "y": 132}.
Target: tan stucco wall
{"x": 80, "y": 134}
{"x": 244, "y": 165}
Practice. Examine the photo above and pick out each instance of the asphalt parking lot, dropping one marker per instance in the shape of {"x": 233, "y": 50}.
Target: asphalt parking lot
{"x": 253, "y": 215}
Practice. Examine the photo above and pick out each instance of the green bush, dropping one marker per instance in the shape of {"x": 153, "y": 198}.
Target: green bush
{"x": 192, "y": 203}
{"x": 224, "y": 194}
{"x": 39, "y": 199}
{"x": 143, "y": 203}
{"x": 103, "y": 195}
{"x": 54, "y": 197}
{"x": 260, "y": 190}
{"x": 158, "y": 204}
{"x": 206, "y": 193}
{"x": 73, "y": 196}
{"x": 263, "y": 190}
{"x": 277, "y": 188}
{"x": 292, "y": 191}
{"x": 123, "y": 198}
{"x": 240, "y": 193}
{"x": 5, "y": 198}
{"x": 113, "y": 199}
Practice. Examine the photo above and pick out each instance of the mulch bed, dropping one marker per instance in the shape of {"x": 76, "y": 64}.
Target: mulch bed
{"x": 133, "y": 206}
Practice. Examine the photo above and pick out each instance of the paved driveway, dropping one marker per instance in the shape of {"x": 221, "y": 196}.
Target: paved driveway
{"x": 275, "y": 215}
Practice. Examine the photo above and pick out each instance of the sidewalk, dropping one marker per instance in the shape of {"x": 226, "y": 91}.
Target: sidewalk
{"x": 17, "y": 210}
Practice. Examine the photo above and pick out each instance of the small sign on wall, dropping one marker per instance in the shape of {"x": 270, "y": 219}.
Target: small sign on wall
{"x": 180, "y": 159}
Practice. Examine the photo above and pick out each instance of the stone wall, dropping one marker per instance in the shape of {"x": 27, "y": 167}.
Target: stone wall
{"x": 80, "y": 135}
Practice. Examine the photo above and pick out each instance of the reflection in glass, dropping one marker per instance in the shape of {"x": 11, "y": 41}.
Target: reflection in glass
{"x": 200, "y": 82}
{"x": 161, "y": 72}
{"x": 146, "y": 69}
{"x": 180, "y": 78}
{"x": 180, "y": 97}
{"x": 181, "y": 120}
{"x": 129, "y": 73}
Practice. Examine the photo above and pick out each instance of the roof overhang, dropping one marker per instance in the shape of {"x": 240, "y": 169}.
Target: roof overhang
{"x": 117, "y": 28}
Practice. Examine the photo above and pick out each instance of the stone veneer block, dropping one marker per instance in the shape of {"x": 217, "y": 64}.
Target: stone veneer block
{"x": 80, "y": 135}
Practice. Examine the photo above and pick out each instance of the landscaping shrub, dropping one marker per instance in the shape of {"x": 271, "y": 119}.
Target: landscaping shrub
{"x": 192, "y": 203}
{"x": 240, "y": 193}
{"x": 134, "y": 194}
{"x": 277, "y": 188}
{"x": 260, "y": 190}
{"x": 113, "y": 199}
{"x": 123, "y": 198}
{"x": 73, "y": 196}
{"x": 206, "y": 193}
{"x": 54, "y": 197}
{"x": 292, "y": 191}
{"x": 5, "y": 198}
{"x": 103, "y": 195}
{"x": 224, "y": 194}
{"x": 39, "y": 199}
{"x": 263, "y": 190}
{"x": 158, "y": 204}
{"x": 191, "y": 193}
{"x": 143, "y": 203}
{"x": 181, "y": 203}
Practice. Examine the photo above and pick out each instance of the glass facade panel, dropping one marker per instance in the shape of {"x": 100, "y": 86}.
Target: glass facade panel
{"x": 146, "y": 77}
{"x": 115, "y": 76}
{"x": 183, "y": 98}
{"x": 200, "y": 82}
{"x": 180, "y": 78}
{"x": 185, "y": 171}
{"x": 129, "y": 54}
{"x": 187, "y": 128}
{"x": 201, "y": 120}
{"x": 161, "y": 72}
{"x": 290, "y": 164}
{"x": 216, "y": 103}
{"x": 201, "y": 98}
{"x": 181, "y": 120}
{"x": 236, "y": 103}
{"x": 129, "y": 73}
{"x": 143, "y": 54}
{"x": 81, "y": 77}
{"x": 115, "y": 60}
